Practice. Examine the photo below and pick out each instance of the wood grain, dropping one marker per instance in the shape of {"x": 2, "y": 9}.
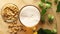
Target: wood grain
{"x": 20, "y": 4}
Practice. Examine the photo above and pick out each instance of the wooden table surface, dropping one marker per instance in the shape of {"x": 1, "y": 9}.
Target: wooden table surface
{"x": 20, "y": 4}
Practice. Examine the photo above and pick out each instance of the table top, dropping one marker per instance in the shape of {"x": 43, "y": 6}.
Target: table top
{"x": 20, "y": 3}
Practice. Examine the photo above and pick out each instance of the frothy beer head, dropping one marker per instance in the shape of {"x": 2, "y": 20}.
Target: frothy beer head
{"x": 29, "y": 16}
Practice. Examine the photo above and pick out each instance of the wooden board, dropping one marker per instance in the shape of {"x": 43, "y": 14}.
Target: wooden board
{"x": 20, "y": 4}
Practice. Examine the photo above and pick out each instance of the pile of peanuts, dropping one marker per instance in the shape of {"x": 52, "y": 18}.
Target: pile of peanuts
{"x": 10, "y": 15}
{"x": 15, "y": 27}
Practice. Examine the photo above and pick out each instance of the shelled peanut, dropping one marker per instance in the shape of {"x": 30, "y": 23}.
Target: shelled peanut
{"x": 10, "y": 13}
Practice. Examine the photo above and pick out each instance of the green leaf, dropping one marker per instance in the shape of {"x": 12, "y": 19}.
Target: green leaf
{"x": 42, "y": 16}
{"x": 49, "y": 2}
{"x": 50, "y": 18}
{"x": 41, "y": 5}
{"x": 43, "y": 19}
{"x": 45, "y": 31}
{"x": 58, "y": 7}
{"x": 48, "y": 5}
{"x": 54, "y": 30}
{"x": 43, "y": 12}
{"x": 56, "y": 1}
{"x": 41, "y": 31}
{"x": 43, "y": 1}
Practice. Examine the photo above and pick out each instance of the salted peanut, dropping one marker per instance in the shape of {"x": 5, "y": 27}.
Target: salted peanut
{"x": 15, "y": 25}
{"x": 16, "y": 28}
{"x": 15, "y": 22}
{"x": 14, "y": 31}
{"x": 10, "y": 26}
{"x": 10, "y": 13}
{"x": 18, "y": 25}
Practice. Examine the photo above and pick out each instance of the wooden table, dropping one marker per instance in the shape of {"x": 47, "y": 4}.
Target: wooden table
{"x": 20, "y": 4}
